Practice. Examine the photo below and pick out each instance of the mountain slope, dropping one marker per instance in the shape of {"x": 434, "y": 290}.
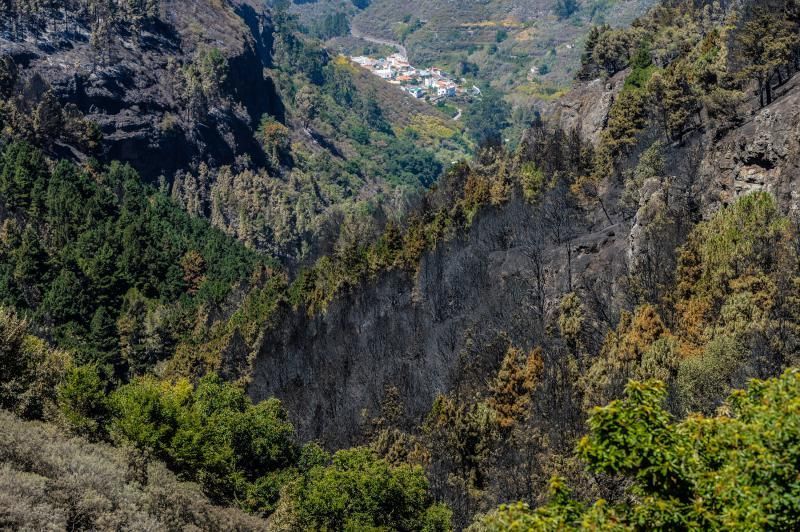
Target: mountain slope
{"x": 577, "y": 261}
{"x": 191, "y": 95}
{"x": 645, "y": 230}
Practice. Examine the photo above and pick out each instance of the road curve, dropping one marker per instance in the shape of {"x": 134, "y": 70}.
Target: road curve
{"x": 358, "y": 34}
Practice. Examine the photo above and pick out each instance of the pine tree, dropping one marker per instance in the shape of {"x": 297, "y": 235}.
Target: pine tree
{"x": 512, "y": 388}
{"x": 103, "y": 341}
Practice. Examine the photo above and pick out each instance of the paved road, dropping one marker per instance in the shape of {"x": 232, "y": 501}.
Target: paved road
{"x": 458, "y": 115}
{"x": 358, "y": 34}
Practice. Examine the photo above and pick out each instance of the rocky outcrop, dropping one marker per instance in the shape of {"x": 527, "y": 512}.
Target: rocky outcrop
{"x": 133, "y": 92}
{"x": 762, "y": 154}
{"x": 586, "y": 108}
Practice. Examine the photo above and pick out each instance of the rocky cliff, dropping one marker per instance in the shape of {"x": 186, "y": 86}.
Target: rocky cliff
{"x": 761, "y": 154}
{"x": 132, "y": 89}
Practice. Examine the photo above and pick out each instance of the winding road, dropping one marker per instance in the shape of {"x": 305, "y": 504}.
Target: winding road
{"x": 358, "y": 34}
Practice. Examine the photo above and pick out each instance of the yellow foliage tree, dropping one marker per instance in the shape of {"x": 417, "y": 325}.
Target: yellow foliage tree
{"x": 511, "y": 389}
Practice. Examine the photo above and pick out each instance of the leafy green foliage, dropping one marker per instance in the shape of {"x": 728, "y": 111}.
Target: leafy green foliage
{"x": 413, "y": 166}
{"x": 359, "y": 491}
{"x": 487, "y": 118}
{"x": 724, "y": 472}
{"x": 333, "y": 25}
{"x": 82, "y": 401}
{"x": 30, "y": 371}
{"x": 211, "y": 433}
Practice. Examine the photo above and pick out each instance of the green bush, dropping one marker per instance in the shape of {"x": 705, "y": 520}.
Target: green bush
{"x": 734, "y": 471}
{"x": 211, "y": 433}
{"x": 359, "y": 491}
{"x": 30, "y": 370}
{"x": 82, "y": 401}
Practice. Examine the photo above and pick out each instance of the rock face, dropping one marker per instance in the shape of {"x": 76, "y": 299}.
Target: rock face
{"x": 501, "y": 283}
{"x": 762, "y": 154}
{"x": 430, "y": 332}
{"x": 586, "y": 108}
{"x": 133, "y": 93}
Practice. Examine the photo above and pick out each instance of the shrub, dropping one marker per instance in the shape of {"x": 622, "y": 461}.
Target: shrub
{"x": 82, "y": 401}
{"x": 211, "y": 433}
{"x": 360, "y": 491}
{"x": 736, "y": 470}
{"x": 30, "y": 370}
{"x": 52, "y": 482}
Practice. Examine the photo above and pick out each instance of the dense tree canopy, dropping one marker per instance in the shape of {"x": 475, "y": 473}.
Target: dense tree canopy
{"x": 95, "y": 253}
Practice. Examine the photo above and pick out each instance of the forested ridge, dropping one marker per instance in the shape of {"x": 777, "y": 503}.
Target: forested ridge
{"x": 647, "y": 379}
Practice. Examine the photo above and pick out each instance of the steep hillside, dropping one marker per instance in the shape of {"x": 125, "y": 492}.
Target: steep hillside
{"x": 230, "y": 107}
{"x": 379, "y": 355}
{"x": 500, "y": 283}
{"x": 553, "y": 312}
{"x": 148, "y": 83}
{"x": 582, "y": 261}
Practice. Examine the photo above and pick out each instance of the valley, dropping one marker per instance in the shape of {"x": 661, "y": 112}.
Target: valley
{"x": 370, "y": 265}
{"x": 529, "y": 50}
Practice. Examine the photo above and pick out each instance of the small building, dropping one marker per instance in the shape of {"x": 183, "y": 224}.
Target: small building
{"x": 416, "y": 92}
{"x": 366, "y": 62}
{"x": 386, "y": 73}
{"x": 445, "y": 88}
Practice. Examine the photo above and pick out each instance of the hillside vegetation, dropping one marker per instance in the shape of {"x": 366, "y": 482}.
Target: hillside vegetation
{"x": 49, "y": 481}
{"x": 595, "y": 326}
{"x": 245, "y": 121}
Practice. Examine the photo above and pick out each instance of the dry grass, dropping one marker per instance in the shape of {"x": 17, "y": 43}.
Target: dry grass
{"x": 49, "y": 481}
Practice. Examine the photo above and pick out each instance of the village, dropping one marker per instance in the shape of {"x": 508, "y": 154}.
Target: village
{"x": 431, "y": 84}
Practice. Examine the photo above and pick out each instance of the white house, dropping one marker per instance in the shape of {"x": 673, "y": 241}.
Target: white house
{"x": 445, "y": 88}
{"x": 385, "y": 73}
